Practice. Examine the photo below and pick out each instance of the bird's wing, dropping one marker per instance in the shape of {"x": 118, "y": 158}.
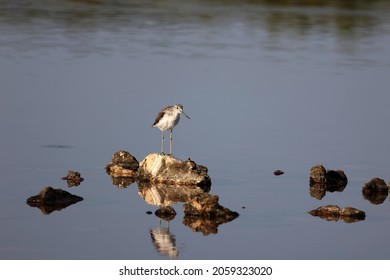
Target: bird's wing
{"x": 159, "y": 116}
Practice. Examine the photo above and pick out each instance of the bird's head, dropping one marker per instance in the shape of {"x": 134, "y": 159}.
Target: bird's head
{"x": 179, "y": 108}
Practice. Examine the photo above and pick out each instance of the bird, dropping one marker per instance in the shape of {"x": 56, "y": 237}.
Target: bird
{"x": 166, "y": 119}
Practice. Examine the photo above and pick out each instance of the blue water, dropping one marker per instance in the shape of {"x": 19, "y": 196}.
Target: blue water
{"x": 267, "y": 86}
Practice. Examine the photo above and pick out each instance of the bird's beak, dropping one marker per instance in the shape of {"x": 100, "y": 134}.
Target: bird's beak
{"x": 185, "y": 115}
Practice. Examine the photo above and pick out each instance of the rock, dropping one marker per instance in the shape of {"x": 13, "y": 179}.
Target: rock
{"x": 326, "y": 211}
{"x": 50, "y": 199}
{"x": 352, "y": 213}
{"x": 206, "y": 205}
{"x": 166, "y": 213}
{"x": 157, "y": 168}
{"x": 317, "y": 174}
{"x": 334, "y": 213}
{"x": 375, "y": 191}
{"x": 375, "y": 185}
{"x": 278, "y": 172}
{"x": 335, "y": 180}
{"x": 322, "y": 180}
{"x": 73, "y": 178}
{"x": 122, "y": 164}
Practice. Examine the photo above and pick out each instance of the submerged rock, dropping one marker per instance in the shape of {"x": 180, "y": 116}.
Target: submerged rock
{"x": 375, "y": 191}
{"x": 335, "y": 213}
{"x": 122, "y": 164}
{"x": 73, "y": 178}
{"x": 50, "y": 199}
{"x": 157, "y": 168}
{"x": 166, "y": 213}
{"x": 322, "y": 180}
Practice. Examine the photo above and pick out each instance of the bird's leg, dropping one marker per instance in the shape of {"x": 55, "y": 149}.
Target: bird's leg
{"x": 162, "y": 143}
{"x": 170, "y": 143}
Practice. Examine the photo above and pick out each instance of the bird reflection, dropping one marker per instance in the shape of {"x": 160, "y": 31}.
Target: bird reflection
{"x": 164, "y": 241}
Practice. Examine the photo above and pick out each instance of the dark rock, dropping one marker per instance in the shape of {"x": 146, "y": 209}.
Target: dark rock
{"x": 166, "y": 213}
{"x": 122, "y": 164}
{"x": 336, "y": 180}
{"x": 334, "y": 213}
{"x": 375, "y": 191}
{"x": 73, "y": 178}
{"x": 50, "y": 199}
{"x": 376, "y": 185}
{"x": 278, "y": 172}
{"x": 157, "y": 168}
{"x": 352, "y": 213}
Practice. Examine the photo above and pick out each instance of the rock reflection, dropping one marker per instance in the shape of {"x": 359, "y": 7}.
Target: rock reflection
{"x": 202, "y": 212}
{"x": 164, "y": 242}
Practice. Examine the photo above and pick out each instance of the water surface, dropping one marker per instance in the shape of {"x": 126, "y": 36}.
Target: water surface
{"x": 268, "y": 85}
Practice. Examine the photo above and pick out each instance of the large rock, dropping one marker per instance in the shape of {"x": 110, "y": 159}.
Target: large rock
{"x": 334, "y": 213}
{"x": 157, "y": 168}
{"x": 122, "y": 164}
{"x": 50, "y": 199}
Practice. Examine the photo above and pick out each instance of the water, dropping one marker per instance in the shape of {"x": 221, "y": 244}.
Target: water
{"x": 268, "y": 85}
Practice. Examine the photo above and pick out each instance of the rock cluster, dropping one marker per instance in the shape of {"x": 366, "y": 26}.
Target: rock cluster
{"x": 164, "y": 180}
{"x": 322, "y": 180}
{"x": 335, "y": 213}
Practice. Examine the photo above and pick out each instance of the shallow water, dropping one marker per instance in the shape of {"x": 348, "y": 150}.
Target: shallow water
{"x": 267, "y": 86}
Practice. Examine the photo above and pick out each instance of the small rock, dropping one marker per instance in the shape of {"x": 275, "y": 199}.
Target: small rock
{"x": 376, "y": 185}
{"x": 375, "y": 191}
{"x": 278, "y": 172}
{"x": 317, "y": 174}
{"x": 335, "y": 180}
{"x": 166, "y": 213}
{"x": 122, "y": 164}
{"x": 73, "y": 178}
